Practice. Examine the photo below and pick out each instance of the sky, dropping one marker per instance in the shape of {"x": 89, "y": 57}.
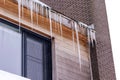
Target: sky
{"x": 113, "y": 12}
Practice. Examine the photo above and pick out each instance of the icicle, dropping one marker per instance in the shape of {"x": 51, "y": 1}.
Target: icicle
{"x": 31, "y": 12}
{"x": 56, "y": 18}
{"x": 80, "y": 29}
{"x": 37, "y": 13}
{"x": 91, "y": 37}
{"x": 78, "y": 44}
{"x": 57, "y": 22}
{"x": 61, "y": 25}
{"x": 28, "y": 4}
{"x": 4, "y": 2}
{"x": 24, "y": 2}
{"x": 34, "y": 6}
{"x": 88, "y": 35}
{"x": 22, "y": 8}
{"x": 39, "y": 10}
{"x": 42, "y": 10}
{"x": 89, "y": 42}
{"x": 94, "y": 35}
{"x": 46, "y": 14}
{"x": 19, "y": 13}
{"x": 50, "y": 23}
{"x": 55, "y": 15}
{"x": 73, "y": 37}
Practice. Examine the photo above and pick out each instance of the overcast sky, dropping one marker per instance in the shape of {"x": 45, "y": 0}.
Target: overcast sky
{"x": 113, "y": 12}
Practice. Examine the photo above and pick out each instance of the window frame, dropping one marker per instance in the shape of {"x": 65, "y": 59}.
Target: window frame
{"x": 14, "y": 28}
{"x": 25, "y": 34}
{"x": 34, "y": 35}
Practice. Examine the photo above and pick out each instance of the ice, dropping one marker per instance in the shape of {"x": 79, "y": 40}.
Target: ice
{"x": 60, "y": 19}
{"x": 4, "y": 1}
{"x": 19, "y": 13}
{"x": 22, "y": 5}
{"x": 50, "y": 20}
{"x": 78, "y": 43}
{"x": 73, "y": 37}
{"x": 31, "y": 12}
{"x": 36, "y": 10}
{"x": 55, "y": 17}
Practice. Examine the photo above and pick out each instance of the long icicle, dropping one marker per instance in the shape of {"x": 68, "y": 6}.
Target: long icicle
{"x": 22, "y": 9}
{"x": 36, "y": 9}
{"x": 93, "y": 32}
{"x": 4, "y": 1}
{"x": 38, "y": 14}
{"x": 50, "y": 20}
{"x": 42, "y": 13}
{"x": 89, "y": 41}
{"x": 55, "y": 15}
{"x": 22, "y": 14}
{"x": 73, "y": 37}
{"x": 31, "y": 13}
{"x": 78, "y": 44}
{"x": 19, "y": 14}
{"x": 57, "y": 22}
{"x": 61, "y": 26}
{"x": 45, "y": 11}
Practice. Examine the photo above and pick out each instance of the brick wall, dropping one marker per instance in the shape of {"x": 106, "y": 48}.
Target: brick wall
{"x": 104, "y": 52}
{"x": 72, "y": 8}
{"x": 91, "y": 11}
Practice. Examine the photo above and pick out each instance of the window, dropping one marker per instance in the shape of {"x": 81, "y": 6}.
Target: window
{"x": 37, "y": 57}
{"x": 26, "y": 53}
{"x": 10, "y": 49}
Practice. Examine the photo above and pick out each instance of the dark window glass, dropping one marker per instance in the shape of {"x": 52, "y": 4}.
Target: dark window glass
{"x": 37, "y": 57}
{"x": 34, "y": 48}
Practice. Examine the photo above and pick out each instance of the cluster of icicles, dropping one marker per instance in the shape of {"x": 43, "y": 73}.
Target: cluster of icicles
{"x": 44, "y": 10}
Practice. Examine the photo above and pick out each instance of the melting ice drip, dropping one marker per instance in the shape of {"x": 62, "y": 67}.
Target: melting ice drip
{"x": 73, "y": 37}
{"x": 78, "y": 43}
{"x": 50, "y": 23}
{"x": 4, "y": 1}
{"x": 19, "y": 13}
{"x": 31, "y": 11}
{"x": 61, "y": 25}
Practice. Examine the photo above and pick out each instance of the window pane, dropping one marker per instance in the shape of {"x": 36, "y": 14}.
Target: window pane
{"x": 34, "y": 69}
{"x": 10, "y": 50}
{"x": 34, "y": 48}
{"x": 34, "y": 59}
